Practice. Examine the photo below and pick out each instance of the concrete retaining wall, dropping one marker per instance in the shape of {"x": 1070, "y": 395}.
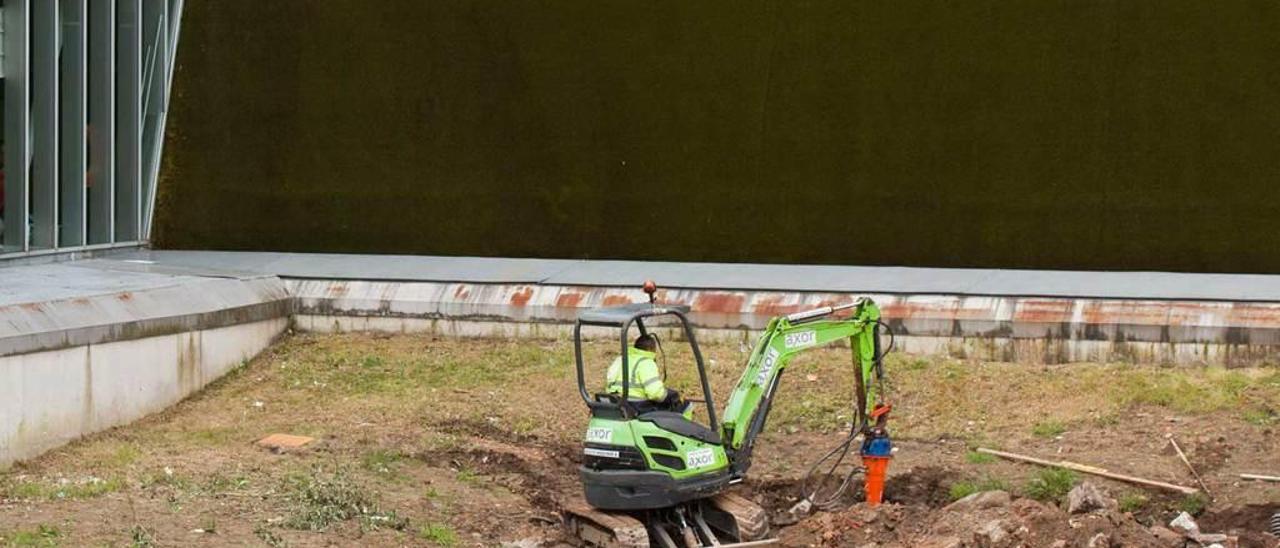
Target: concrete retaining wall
{"x": 93, "y": 345}
{"x": 53, "y": 397}
{"x": 1029, "y": 329}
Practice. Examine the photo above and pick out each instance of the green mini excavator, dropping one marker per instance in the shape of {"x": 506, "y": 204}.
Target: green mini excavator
{"x": 656, "y": 478}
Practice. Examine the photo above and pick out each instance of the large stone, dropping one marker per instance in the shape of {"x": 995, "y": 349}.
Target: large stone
{"x": 981, "y": 501}
{"x": 1086, "y": 497}
{"x": 1185, "y": 524}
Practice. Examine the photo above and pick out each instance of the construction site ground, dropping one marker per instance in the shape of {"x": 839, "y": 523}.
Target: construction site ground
{"x": 421, "y": 440}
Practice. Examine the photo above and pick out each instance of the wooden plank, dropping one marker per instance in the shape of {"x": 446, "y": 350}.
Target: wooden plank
{"x": 1091, "y": 470}
{"x": 1183, "y": 456}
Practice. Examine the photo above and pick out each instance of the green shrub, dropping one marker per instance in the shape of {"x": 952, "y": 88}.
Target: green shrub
{"x": 1132, "y": 502}
{"x": 1051, "y": 485}
{"x": 320, "y": 500}
{"x": 1194, "y": 504}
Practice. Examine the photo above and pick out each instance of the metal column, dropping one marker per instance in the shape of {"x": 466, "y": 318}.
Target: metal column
{"x": 128, "y": 120}
{"x": 102, "y": 121}
{"x": 45, "y": 39}
{"x": 17, "y": 119}
{"x": 74, "y": 163}
{"x": 155, "y": 99}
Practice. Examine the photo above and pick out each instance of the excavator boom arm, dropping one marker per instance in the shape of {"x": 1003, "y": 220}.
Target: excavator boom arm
{"x": 786, "y": 336}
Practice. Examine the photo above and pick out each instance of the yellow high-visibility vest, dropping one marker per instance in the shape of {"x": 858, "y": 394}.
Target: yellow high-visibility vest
{"x": 646, "y": 381}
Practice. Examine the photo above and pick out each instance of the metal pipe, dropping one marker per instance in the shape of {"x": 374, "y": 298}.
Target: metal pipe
{"x": 820, "y": 312}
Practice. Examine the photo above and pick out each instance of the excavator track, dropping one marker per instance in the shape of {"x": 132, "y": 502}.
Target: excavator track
{"x": 751, "y": 519}
{"x": 590, "y": 527}
{"x": 732, "y": 519}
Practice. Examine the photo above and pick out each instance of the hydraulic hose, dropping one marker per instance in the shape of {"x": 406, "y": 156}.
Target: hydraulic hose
{"x": 814, "y": 479}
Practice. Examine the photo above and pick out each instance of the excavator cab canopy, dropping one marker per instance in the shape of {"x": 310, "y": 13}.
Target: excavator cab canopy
{"x": 623, "y": 318}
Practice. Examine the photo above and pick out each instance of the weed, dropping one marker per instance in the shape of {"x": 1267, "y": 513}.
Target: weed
{"x": 388, "y": 519}
{"x": 65, "y": 490}
{"x": 382, "y": 461}
{"x": 1048, "y": 429}
{"x": 319, "y": 501}
{"x": 1193, "y": 504}
{"x": 439, "y": 534}
{"x": 974, "y": 457}
{"x": 210, "y": 525}
{"x": 123, "y": 455}
{"x": 218, "y": 483}
{"x": 1107, "y": 419}
{"x": 916, "y": 364}
{"x": 42, "y": 535}
{"x": 269, "y": 537}
{"x": 1051, "y": 484}
{"x": 1260, "y": 417}
{"x": 141, "y": 537}
{"x": 467, "y": 476}
{"x": 165, "y": 478}
{"x": 209, "y": 436}
{"x": 1132, "y": 501}
{"x": 962, "y": 489}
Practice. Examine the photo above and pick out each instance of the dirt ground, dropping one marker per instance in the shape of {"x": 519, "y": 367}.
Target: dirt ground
{"x": 431, "y": 441}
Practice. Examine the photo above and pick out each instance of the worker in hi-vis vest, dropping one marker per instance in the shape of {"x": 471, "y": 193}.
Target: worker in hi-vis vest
{"x": 646, "y": 387}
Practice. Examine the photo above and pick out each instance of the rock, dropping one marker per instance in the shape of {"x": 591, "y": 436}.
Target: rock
{"x": 1167, "y": 537}
{"x": 1086, "y": 497}
{"x": 992, "y": 533}
{"x": 1058, "y": 544}
{"x": 1184, "y": 524}
{"x": 801, "y": 508}
{"x": 980, "y": 501}
{"x": 1100, "y": 540}
{"x": 1206, "y": 538}
{"x": 530, "y": 542}
{"x": 944, "y": 542}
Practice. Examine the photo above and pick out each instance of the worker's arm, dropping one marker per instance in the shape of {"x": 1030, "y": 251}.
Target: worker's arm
{"x": 650, "y": 380}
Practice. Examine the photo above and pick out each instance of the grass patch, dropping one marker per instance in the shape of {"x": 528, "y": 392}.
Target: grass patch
{"x": 439, "y": 534}
{"x": 383, "y": 462}
{"x": 320, "y": 500}
{"x": 1048, "y": 429}
{"x": 467, "y": 476}
{"x": 84, "y": 489}
{"x": 269, "y": 537}
{"x": 110, "y": 455}
{"x": 962, "y": 489}
{"x": 1132, "y": 501}
{"x": 1194, "y": 504}
{"x": 1260, "y": 417}
{"x": 974, "y": 457}
{"x": 42, "y": 535}
{"x": 1051, "y": 485}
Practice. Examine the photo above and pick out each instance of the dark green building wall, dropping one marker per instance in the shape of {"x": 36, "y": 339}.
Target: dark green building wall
{"x": 1033, "y": 134}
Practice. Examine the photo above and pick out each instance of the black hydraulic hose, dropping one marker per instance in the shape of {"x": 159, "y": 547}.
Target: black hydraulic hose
{"x": 808, "y": 488}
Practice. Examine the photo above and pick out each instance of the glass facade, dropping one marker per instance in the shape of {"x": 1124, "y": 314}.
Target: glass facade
{"x": 86, "y": 88}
